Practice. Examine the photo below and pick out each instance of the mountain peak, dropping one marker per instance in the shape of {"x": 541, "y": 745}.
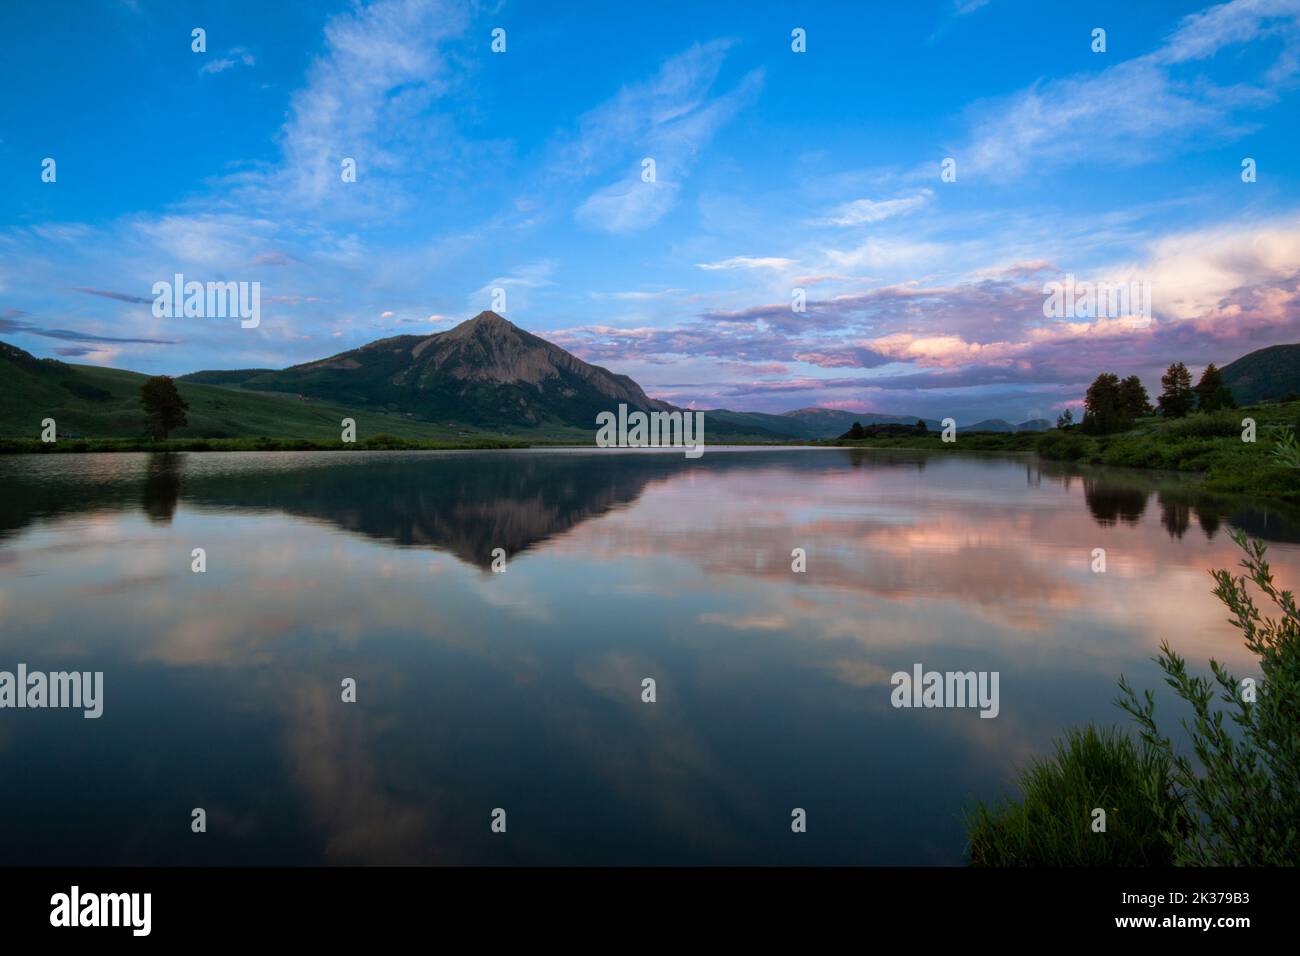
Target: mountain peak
{"x": 488, "y": 322}
{"x": 485, "y": 371}
{"x": 488, "y": 317}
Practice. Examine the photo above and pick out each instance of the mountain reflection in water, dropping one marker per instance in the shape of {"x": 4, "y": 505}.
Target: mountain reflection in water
{"x": 522, "y": 690}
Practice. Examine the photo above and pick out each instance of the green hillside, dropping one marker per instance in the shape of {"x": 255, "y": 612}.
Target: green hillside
{"x": 98, "y": 402}
{"x": 1265, "y": 375}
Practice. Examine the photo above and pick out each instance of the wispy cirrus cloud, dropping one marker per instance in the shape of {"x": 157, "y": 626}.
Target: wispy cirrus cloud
{"x": 748, "y": 262}
{"x": 10, "y": 325}
{"x": 672, "y": 117}
{"x": 239, "y": 55}
{"x": 637, "y": 295}
{"x": 1139, "y": 108}
{"x": 119, "y": 296}
{"x": 367, "y": 97}
{"x": 860, "y": 212}
{"x": 1204, "y": 33}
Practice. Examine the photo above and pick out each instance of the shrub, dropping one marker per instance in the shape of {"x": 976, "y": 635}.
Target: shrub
{"x": 1222, "y": 424}
{"x": 1232, "y": 800}
{"x": 1243, "y": 806}
{"x": 1052, "y": 825}
{"x": 385, "y": 440}
{"x": 1064, "y": 446}
{"x": 1286, "y": 451}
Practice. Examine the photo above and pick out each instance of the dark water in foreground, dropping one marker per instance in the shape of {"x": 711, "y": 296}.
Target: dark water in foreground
{"x": 522, "y": 690}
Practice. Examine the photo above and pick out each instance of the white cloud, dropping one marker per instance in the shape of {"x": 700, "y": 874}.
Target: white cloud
{"x": 627, "y": 206}
{"x": 381, "y": 68}
{"x": 636, "y": 295}
{"x": 217, "y": 242}
{"x": 862, "y": 211}
{"x": 748, "y": 262}
{"x": 1192, "y": 273}
{"x": 1203, "y": 34}
{"x": 238, "y": 55}
{"x": 532, "y": 275}
{"x": 1136, "y": 109}
{"x": 671, "y": 119}
{"x": 885, "y": 254}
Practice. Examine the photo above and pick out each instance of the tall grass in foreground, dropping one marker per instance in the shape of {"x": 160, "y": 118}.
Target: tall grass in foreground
{"x": 1052, "y": 825}
{"x": 1225, "y": 799}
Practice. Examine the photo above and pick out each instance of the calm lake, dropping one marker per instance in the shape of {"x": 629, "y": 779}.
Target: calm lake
{"x": 522, "y": 690}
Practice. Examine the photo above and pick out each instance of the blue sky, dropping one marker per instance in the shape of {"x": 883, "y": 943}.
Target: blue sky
{"x": 775, "y": 170}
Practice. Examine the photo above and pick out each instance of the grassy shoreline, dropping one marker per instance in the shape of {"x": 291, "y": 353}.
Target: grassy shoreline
{"x": 21, "y": 446}
{"x": 1207, "y": 445}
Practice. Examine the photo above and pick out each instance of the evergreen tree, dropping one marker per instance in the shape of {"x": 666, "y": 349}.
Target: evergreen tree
{"x": 1176, "y": 399}
{"x": 164, "y": 409}
{"x": 1104, "y": 410}
{"x": 1134, "y": 398}
{"x": 1211, "y": 392}
{"x": 1065, "y": 420}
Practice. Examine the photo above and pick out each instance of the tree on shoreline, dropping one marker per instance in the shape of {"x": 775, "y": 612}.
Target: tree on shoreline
{"x": 1177, "y": 398}
{"x": 1133, "y": 397}
{"x": 1104, "y": 410}
{"x": 1212, "y": 393}
{"x": 164, "y": 409}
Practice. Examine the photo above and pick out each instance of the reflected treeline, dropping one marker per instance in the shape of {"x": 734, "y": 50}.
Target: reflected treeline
{"x": 468, "y": 503}
{"x": 1117, "y": 496}
{"x": 1110, "y": 503}
{"x": 1121, "y": 496}
{"x": 893, "y": 459}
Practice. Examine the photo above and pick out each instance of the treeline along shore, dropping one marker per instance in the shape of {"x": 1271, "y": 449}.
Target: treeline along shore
{"x": 1249, "y": 450}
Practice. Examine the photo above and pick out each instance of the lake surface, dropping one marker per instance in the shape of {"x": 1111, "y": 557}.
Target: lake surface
{"x": 522, "y": 690}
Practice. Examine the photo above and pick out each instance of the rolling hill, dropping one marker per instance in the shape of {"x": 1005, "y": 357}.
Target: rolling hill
{"x": 1265, "y": 375}
{"x": 85, "y": 400}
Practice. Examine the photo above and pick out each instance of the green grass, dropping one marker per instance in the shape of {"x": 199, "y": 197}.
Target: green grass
{"x": 11, "y": 446}
{"x": 105, "y": 403}
{"x": 1208, "y": 445}
{"x": 1226, "y": 793}
{"x": 101, "y": 407}
{"x": 98, "y": 409}
{"x": 1053, "y": 822}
